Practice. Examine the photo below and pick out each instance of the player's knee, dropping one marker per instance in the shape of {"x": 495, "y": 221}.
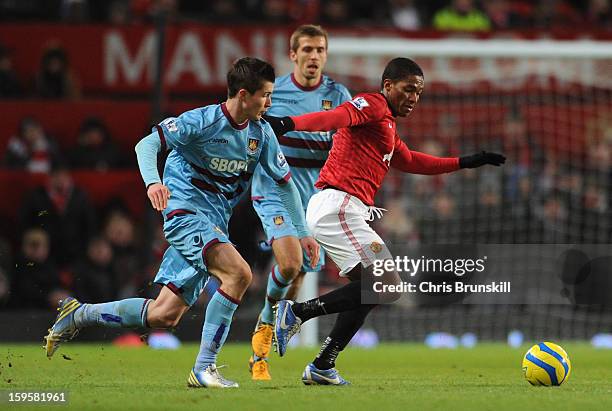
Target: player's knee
{"x": 163, "y": 320}
{"x": 290, "y": 268}
{"x": 243, "y": 278}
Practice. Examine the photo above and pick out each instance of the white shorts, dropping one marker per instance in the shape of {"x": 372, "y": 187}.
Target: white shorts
{"x": 338, "y": 221}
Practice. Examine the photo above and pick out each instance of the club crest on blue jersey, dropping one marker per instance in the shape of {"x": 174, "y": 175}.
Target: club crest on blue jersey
{"x": 253, "y": 146}
{"x": 326, "y": 104}
{"x": 278, "y": 220}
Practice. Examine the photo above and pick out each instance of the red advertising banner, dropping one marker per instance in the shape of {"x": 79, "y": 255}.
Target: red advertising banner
{"x": 107, "y": 59}
{"x": 196, "y": 59}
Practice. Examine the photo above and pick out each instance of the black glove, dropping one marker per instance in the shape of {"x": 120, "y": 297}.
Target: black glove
{"x": 280, "y": 125}
{"x": 480, "y": 159}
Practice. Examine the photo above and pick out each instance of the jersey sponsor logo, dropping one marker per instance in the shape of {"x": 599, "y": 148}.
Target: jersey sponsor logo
{"x": 279, "y": 220}
{"x": 281, "y": 160}
{"x": 284, "y": 100}
{"x": 360, "y": 103}
{"x": 218, "y": 141}
{"x": 253, "y": 146}
{"x": 231, "y": 166}
{"x": 170, "y": 124}
{"x": 326, "y": 104}
{"x": 387, "y": 158}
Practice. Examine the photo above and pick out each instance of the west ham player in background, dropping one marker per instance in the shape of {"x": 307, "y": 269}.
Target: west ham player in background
{"x": 215, "y": 150}
{"x": 304, "y": 90}
{"x": 365, "y": 146}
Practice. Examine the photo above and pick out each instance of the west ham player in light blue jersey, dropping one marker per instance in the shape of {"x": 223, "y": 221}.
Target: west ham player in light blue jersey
{"x": 304, "y": 90}
{"x": 214, "y": 153}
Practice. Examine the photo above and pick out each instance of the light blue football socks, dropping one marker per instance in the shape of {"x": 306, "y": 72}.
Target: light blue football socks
{"x": 128, "y": 313}
{"x": 217, "y": 321}
{"x": 275, "y": 291}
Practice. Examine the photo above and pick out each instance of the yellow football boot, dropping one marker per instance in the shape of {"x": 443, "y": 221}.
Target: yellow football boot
{"x": 261, "y": 343}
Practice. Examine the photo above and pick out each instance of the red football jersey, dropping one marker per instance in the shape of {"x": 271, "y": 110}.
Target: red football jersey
{"x": 365, "y": 146}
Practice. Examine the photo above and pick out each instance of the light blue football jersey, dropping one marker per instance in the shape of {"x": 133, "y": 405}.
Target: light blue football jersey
{"x": 305, "y": 152}
{"x": 213, "y": 159}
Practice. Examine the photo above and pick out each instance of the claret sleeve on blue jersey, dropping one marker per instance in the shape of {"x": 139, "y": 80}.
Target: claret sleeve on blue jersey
{"x": 275, "y": 165}
{"x": 146, "y": 154}
{"x": 272, "y": 158}
{"x": 290, "y": 196}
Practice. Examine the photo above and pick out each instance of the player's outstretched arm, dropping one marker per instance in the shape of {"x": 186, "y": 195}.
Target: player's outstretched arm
{"x": 317, "y": 121}
{"x": 416, "y": 162}
{"x": 481, "y": 159}
{"x": 146, "y": 154}
{"x": 290, "y": 197}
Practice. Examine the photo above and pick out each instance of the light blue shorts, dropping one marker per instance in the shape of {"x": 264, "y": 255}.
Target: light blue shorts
{"x": 277, "y": 224}
{"x": 183, "y": 268}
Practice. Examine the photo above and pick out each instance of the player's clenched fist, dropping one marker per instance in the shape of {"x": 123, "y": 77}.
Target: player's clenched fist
{"x": 159, "y": 195}
{"x": 311, "y": 247}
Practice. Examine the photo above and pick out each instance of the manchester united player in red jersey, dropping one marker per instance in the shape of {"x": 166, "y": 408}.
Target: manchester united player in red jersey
{"x": 365, "y": 146}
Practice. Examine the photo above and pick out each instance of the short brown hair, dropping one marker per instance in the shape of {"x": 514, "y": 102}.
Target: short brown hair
{"x": 248, "y": 73}
{"x": 306, "y": 30}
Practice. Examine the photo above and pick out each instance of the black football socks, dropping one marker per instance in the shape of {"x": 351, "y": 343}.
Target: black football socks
{"x": 346, "y": 326}
{"x": 345, "y": 298}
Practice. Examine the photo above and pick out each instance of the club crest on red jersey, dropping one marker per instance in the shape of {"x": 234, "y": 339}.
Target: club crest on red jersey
{"x": 376, "y": 247}
{"x": 279, "y": 219}
{"x": 326, "y": 104}
{"x": 253, "y": 145}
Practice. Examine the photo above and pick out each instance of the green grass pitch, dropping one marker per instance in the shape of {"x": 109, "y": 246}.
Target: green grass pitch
{"x": 390, "y": 377}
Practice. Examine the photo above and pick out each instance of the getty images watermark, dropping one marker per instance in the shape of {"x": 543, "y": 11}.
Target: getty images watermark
{"x": 549, "y": 274}
{"x": 459, "y": 267}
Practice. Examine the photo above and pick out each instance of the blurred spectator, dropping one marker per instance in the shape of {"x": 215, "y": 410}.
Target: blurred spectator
{"x": 64, "y": 211}
{"x": 398, "y": 227}
{"x": 35, "y": 280}
{"x": 94, "y": 278}
{"x": 95, "y": 149}
{"x": 147, "y": 10}
{"x": 31, "y": 149}
{"x": 555, "y": 13}
{"x": 461, "y": 15}
{"x": 503, "y": 15}
{"x": 405, "y": 15}
{"x": 9, "y": 83}
{"x": 552, "y": 220}
{"x": 599, "y": 14}
{"x": 55, "y": 78}
{"x": 368, "y": 12}
{"x": 5, "y": 287}
{"x": 5, "y": 266}
{"x": 441, "y": 224}
{"x": 120, "y": 232}
{"x": 229, "y": 11}
{"x": 335, "y": 12}
{"x": 119, "y": 12}
{"x": 75, "y": 11}
{"x": 275, "y": 11}
{"x": 599, "y": 145}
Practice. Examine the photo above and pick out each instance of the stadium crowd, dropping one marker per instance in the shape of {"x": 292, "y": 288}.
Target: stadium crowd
{"x": 65, "y": 244}
{"x": 466, "y": 15}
